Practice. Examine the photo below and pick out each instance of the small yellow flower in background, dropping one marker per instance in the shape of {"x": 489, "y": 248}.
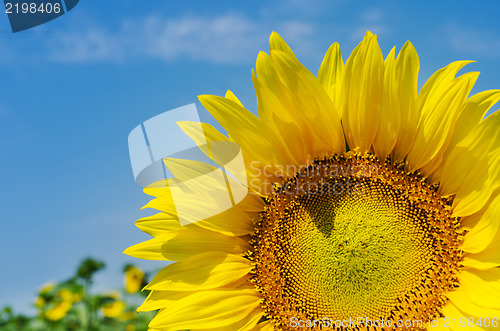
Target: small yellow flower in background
{"x": 40, "y": 302}
{"x": 134, "y": 277}
{"x": 128, "y": 316}
{"x": 58, "y": 311}
{"x": 367, "y": 199}
{"x": 113, "y": 309}
{"x": 69, "y": 296}
{"x": 66, "y": 295}
{"x": 54, "y": 303}
{"x": 47, "y": 288}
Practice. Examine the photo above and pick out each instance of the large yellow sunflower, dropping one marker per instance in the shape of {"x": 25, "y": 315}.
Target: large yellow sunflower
{"x": 366, "y": 205}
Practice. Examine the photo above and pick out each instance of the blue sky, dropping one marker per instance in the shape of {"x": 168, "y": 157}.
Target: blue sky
{"x": 73, "y": 89}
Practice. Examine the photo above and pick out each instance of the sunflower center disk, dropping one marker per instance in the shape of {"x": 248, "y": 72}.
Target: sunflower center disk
{"x": 353, "y": 238}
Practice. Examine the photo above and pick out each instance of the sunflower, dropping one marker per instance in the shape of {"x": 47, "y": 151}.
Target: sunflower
{"x": 113, "y": 309}
{"x": 134, "y": 277}
{"x": 366, "y": 205}
{"x": 58, "y": 311}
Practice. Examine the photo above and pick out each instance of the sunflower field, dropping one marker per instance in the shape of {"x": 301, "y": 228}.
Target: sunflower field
{"x": 72, "y": 304}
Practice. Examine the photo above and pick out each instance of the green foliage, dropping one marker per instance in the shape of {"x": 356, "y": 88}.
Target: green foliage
{"x": 88, "y": 268}
{"x": 10, "y": 321}
{"x": 71, "y": 305}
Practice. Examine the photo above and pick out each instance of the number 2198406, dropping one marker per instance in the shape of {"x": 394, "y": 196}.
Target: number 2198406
{"x": 32, "y": 8}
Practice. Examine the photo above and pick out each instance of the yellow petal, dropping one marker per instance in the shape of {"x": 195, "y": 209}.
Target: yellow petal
{"x": 298, "y": 110}
{"x": 489, "y": 257}
{"x": 311, "y": 103}
{"x": 223, "y": 204}
{"x": 300, "y": 116}
{"x": 213, "y": 144}
{"x": 208, "y": 309}
{"x": 478, "y": 186}
{"x": 214, "y": 191}
{"x": 202, "y": 134}
{"x": 439, "y": 112}
{"x": 273, "y": 109}
{"x": 242, "y": 126}
{"x": 431, "y": 92}
{"x": 481, "y": 286}
{"x": 158, "y": 224}
{"x": 264, "y": 326}
{"x": 208, "y": 270}
{"x": 438, "y": 80}
{"x": 468, "y": 153}
{"x": 464, "y": 303}
{"x": 484, "y": 227}
{"x": 189, "y": 241}
{"x": 158, "y": 189}
{"x": 407, "y": 67}
{"x": 390, "y": 113}
{"x": 276, "y": 43}
{"x": 453, "y": 316}
{"x": 161, "y": 299}
{"x": 233, "y": 221}
{"x": 435, "y": 163}
{"x": 362, "y": 94}
{"x": 471, "y": 114}
{"x": 330, "y": 75}
{"x": 185, "y": 170}
{"x": 230, "y": 95}
{"x": 206, "y": 179}
{"x": 247, "y": 324}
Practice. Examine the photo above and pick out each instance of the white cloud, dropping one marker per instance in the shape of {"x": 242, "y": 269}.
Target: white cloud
{"x": 229, "y": 38}
{"x": 471, "y": 41}
{"x": 372, "y": 15}
{"x": 372, "y": 20}
{"x": 310, "y": 8}
{"x": 92, "y": 45}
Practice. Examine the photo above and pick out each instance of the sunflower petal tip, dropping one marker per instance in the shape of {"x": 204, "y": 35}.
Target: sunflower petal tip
{"x": 201, "y": 98}
{"x": 408, "y": 44}
{"x": 183, "y": 124}
{"x": 274, "y": 34}
{"x": 261, "y": 55}
{"x": 369, "y": 35}
{"x": 207, "y": 98}
{"x": 127, "y": 251}
{"x": 277, "y": 43}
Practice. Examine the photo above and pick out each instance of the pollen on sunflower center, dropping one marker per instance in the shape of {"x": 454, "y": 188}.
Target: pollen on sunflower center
{"x": 352, "y": 237}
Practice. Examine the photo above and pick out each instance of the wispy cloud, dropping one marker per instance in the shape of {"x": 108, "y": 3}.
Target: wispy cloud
{"x": 229, "y": 38}
{"x": 370, "y": 19}
{"x": 471, "y": 41}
